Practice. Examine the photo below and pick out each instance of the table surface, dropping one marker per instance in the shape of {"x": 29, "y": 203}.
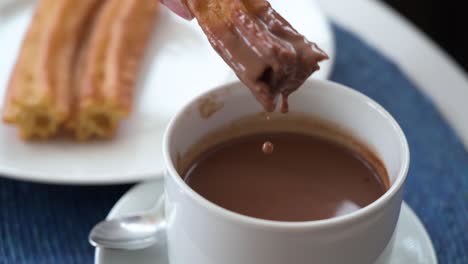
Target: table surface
{"x": 423, "y": 61}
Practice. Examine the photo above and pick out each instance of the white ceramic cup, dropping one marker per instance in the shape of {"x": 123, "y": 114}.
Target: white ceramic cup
{"x": 200, "y": 232}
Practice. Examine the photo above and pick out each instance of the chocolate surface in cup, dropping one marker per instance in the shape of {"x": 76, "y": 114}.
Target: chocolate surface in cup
{"x": 311, "y": 171}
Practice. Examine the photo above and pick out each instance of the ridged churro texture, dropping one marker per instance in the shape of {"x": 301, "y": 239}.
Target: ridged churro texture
{"x": 39, "y": 93}
{"x": 108, "y": 66}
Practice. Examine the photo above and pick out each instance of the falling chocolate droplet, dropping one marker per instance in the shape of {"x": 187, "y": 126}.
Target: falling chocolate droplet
{"x": 268, "y": 148}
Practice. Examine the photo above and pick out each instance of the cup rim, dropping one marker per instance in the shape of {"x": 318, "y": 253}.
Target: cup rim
{"x": 258, "y": 222}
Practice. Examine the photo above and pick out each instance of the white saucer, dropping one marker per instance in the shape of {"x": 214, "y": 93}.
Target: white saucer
{"x": 412, "y": 243}
{"x": 179, "y": 65}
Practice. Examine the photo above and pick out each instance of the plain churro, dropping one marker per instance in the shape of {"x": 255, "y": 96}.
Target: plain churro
{"x": 109, "y": 66}
{"x": 39, "y": 92}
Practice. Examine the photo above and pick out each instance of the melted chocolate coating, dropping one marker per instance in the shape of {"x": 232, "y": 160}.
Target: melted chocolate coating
{"x": 267, "y": 54}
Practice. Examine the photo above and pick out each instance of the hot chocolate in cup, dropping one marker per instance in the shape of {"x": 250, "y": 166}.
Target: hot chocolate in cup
{"x": 203, "y": 231}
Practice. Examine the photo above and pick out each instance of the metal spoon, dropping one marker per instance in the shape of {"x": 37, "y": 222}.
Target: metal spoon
{"x": 130, "y": 232}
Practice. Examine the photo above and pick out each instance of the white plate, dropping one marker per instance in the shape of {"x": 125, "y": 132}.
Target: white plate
{"x": 412, "y": 243}
{"x": 179, "y": 65}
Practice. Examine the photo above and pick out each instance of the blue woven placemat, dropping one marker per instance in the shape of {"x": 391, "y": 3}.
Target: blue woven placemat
{"x": 49, "y": 224}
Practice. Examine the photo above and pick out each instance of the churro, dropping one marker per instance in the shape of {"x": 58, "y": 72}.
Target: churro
{"x": 109, "y": 66}
{"x": 39, "y": 91}
{"x": 267, "y": 54}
